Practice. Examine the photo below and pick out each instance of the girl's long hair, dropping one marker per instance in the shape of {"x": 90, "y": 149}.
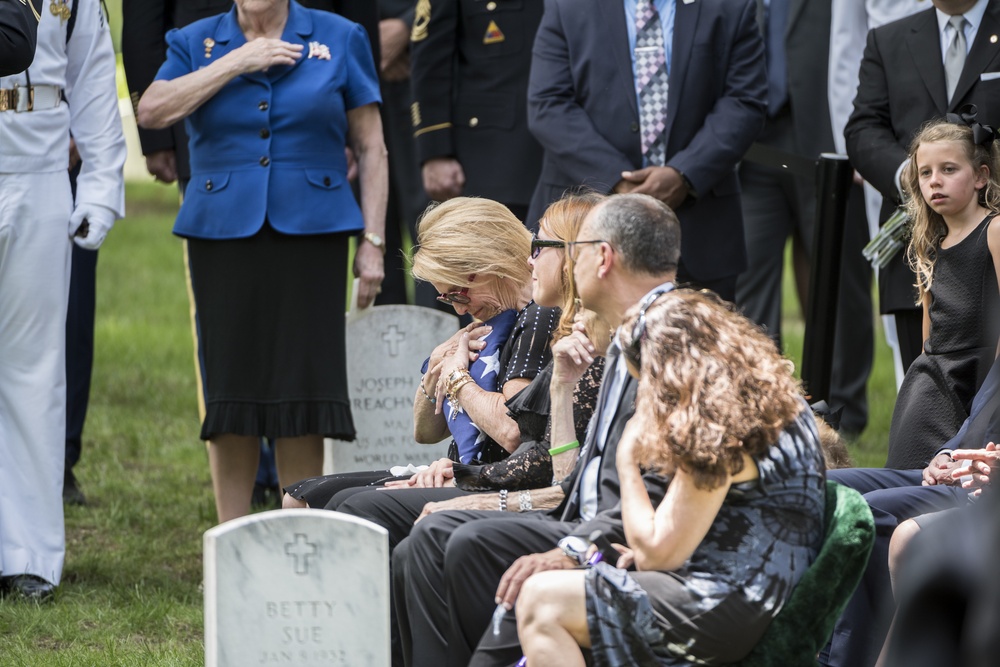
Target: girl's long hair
{"x": 929, "y": 228}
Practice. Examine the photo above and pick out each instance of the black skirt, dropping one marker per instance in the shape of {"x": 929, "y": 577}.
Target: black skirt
{"x": 270, "y": 334}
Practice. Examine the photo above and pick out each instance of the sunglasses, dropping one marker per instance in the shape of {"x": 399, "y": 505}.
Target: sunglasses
{"x": 633, "y": 351}
{"x": 537, "y": 244}
{"x": 461, "y": 297}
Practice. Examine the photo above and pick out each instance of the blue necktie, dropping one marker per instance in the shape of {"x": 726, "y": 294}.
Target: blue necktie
{"x": 777, "y": 67}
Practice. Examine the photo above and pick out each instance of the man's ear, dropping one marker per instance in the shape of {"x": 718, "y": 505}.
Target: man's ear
{"x": 607, "y": 256}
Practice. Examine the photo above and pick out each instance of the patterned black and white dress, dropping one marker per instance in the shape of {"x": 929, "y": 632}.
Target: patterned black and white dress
{"x": 715, "y": 608}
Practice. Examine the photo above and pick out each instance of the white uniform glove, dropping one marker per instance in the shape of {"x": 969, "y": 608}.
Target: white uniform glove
{"x": 100, "y": 220}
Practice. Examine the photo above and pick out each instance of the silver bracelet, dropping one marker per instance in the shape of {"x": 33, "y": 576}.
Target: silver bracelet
{"x": 424, "y": 391}
{"x": 503, "y": 500}
{"x": 524, "y": 501}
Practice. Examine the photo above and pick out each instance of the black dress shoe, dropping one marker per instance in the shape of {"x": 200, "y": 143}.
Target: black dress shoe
{"x": 28, "y": 587}
{"x": 72, "y": 495}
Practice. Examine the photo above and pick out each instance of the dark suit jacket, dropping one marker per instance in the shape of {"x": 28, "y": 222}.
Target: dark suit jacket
{"x": 18, "y": 30}
{"x": 469, "y": 89}
{"x": 807, "y": 51}
{"x": 983, "y": 424}
{"x": 901, "y": 87}
{"x": 582, "y": 109}
{"x": 146, "y": 22}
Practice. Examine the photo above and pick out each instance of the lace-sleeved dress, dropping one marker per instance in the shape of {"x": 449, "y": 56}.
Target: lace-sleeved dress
{"x": 524, "y": 354}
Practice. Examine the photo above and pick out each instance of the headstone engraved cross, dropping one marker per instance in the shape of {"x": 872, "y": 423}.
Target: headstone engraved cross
{"x": 301, "y": 549}
{"x": 297, "y": 588}
{"x": 386, "y": 347}
{"x": 393, "y": 337}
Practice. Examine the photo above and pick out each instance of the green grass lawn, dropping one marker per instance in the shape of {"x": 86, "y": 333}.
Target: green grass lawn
{"x": 131, "y": 587}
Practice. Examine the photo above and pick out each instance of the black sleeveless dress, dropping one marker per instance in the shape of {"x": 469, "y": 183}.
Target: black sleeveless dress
{"x": 938, "y": 389}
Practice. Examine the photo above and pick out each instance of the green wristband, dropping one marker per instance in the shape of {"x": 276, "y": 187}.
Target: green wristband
{"x": 564, "y": 448}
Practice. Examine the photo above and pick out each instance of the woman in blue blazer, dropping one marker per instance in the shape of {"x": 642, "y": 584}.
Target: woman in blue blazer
{"x": 272, "y": 94}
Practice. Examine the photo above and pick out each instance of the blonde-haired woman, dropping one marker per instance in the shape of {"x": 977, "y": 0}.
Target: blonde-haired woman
{"x": 719, "y": 411}
{"x": 474, "y": 252}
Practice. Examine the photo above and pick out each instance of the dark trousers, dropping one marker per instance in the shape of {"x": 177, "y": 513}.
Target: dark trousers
{"x": 778, "y": 205}
{"x": 893, "y": 496}
{"x": 445, "y": 576}
{"x": 79, "y": 349}
{"x": 395, "y": 510}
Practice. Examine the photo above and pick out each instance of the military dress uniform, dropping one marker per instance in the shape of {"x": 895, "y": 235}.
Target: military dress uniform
{"x": 18, "y": 30}
{"x": 469, "y": 70}
{"x": 71, "y": 89}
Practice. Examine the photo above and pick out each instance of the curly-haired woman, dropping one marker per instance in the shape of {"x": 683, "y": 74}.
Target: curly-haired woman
{"x": 719, "y": 411}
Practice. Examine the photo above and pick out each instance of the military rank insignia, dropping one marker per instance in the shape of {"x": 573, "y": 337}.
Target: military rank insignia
{"x": 493, "y": 34}
{"x": 421, "y": 17}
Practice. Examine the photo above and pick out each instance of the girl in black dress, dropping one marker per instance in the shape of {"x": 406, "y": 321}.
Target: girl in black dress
{"x": 953, "y": 183}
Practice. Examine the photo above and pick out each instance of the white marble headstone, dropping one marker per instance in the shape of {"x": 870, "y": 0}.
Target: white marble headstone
{"x": 297, "y": 588}
{"x": 385, "y": 347}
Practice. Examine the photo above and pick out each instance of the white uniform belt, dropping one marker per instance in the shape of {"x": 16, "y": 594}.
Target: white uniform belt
{"x": 35, "y": 98}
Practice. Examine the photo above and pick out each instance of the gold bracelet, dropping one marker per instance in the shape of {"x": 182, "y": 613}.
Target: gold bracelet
{"x": 454, "y": 376}
{"x": 456, "y": 381}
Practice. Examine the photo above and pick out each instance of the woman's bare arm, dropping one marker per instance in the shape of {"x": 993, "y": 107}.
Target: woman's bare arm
{"x": 166, "y": 102}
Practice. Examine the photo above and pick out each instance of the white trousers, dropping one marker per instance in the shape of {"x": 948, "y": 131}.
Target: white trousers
{"x": 35, "y": 255}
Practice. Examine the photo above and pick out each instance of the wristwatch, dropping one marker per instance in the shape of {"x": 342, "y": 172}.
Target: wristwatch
{"x": 575, "y": 547}
{"x": 375, "y": 240}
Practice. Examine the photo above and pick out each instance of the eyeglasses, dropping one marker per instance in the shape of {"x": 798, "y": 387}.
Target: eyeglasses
{"x": 571, "y": 246}
{"x": 461, "y": 297}
{"x": 537, "y": 244}
{"x": 633, "y": 351}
